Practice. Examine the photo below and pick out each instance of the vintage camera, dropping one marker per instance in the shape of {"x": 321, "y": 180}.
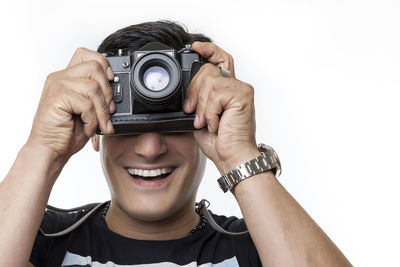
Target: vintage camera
{"x": 149, "y": 88}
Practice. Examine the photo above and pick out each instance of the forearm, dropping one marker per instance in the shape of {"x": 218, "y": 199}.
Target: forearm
{"x": 23, "y": 197}
{"x": 284, "y": 234}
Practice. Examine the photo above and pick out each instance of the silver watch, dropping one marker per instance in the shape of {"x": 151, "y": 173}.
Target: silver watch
{"x": 268, "y": 160}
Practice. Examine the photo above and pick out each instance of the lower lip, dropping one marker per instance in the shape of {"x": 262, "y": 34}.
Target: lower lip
{"x": 152, "y": 183}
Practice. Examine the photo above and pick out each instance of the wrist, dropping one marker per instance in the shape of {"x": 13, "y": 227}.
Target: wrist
{"x": 248, "y": 186}
{"x": 266, "y": 161}
{"x": 43, "y": 160}
{"x": 226, "y": 164}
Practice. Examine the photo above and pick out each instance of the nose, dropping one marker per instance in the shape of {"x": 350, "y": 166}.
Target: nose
{"x": 151, "y": 146}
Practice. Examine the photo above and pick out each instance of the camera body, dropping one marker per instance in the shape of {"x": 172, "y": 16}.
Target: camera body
{"x": 149, "y": 88}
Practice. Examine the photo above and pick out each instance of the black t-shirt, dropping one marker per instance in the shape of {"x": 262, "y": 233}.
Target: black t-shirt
{"x": 93, "y": 244}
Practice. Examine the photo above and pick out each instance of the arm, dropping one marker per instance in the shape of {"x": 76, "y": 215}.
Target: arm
{"x": 74, "y": 101}
{"x": 283, "y": 233}
{"x": 23, "y": 197}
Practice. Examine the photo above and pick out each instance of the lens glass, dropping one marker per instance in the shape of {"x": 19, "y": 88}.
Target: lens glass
{"x": 156, "y": 78}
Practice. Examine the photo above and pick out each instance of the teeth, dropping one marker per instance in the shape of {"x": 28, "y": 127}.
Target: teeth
{"x": 149, "y": 173}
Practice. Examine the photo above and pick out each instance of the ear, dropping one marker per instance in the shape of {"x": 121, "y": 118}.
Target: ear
{"x": 95, "y": 142}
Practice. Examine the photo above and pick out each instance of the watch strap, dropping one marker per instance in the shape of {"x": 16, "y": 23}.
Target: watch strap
{"x": 268, "y": 160}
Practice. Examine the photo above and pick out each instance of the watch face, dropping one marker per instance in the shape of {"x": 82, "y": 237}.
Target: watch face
{"x": 271, "y": 152}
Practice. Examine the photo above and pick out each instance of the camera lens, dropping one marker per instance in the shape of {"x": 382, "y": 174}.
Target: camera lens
{"x": 156, "y": 78}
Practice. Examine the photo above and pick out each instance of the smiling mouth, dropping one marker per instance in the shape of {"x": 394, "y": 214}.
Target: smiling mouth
{"x": 150, "y": 174}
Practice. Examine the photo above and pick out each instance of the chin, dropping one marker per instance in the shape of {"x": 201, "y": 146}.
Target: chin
{"x": 150, "y": 207}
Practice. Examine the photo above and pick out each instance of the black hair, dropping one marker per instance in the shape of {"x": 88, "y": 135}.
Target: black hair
{"x": 174, "y": 35}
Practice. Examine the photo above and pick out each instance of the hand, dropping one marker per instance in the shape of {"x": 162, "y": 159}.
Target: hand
{"x": 226, "y": 106}
{"x": 74, "y": 102}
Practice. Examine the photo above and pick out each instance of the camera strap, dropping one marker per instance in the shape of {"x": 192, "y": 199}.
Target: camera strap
{"x": 90, "y": 208}
{"x": 202, "y": 207}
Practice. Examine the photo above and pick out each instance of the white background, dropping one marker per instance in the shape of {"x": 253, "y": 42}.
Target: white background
{"x": 326, "y": 75}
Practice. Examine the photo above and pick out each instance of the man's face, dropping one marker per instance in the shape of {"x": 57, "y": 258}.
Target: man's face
{"x": 138, "y": 171}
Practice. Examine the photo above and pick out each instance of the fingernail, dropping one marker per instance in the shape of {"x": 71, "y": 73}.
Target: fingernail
{"x": 187, "y": 104}
{"x": 112, "y": 106}
{"x": 110, "y": 73}
{"x": 110, "y": 127}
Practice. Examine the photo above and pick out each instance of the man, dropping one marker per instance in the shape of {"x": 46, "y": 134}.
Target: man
{"x": 153, "y": 178}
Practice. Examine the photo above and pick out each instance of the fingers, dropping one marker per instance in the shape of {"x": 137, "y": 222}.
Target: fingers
{"x": 91, "y": 90}
{"x": 234, "y": 100}
{"x": 82, "y": 106}
{"x": 199, "y": 91}
{"x": 213, "y": 109}
{"x": 213, "y": 100}
{"x": 83, "y": 55}
{"x": 207, "y": 87}
{"x": 215, "y": 55}
{"x": 88, "y": 80}
{"x": 216, "y": 95}
{"x": 94, "y": 71}
{"x": 196, "y": 89}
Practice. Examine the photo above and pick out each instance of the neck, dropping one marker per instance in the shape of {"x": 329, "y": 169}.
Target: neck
{"x": 176, "y": 226}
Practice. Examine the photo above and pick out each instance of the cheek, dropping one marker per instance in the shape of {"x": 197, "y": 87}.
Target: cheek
{"x": 188, "y": 148}
{"x": 201, "y": 165}
{"x": 195, "y": 167}
{"x": 106, "y": 158}
{"x": 107, "y": 170}
{"x": 111, "y": 149}
{"x": 105, "y": 162}
{"x": 184, "y": 144}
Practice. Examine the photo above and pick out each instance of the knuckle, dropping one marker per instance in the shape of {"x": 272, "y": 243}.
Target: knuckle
{"x": 109, "y": 95}
{"x": 95, "y": 65}
{"x": 212, "y": 96}
{"x": 52, "y": 77}
{"x": 88, "y": 107}
{"x": 93, "y": 87}
{"x": 200, "y": 105}
{"x": 249, "y": 88}
{"x": 208, "y": 116}
{"x": 53, "y": 84}
{"x": 214, "y": 47}
{"x": 246, "y": 91}
{"x": 90, "y": 127}
{"x": 208, "y": 81}
{"x": 80, "y": 50}
{"x": 193, "y": 87}
{"x": 208, "y": 67}
{"x": 91, "y": 123}
{"x": 103, "y": 60}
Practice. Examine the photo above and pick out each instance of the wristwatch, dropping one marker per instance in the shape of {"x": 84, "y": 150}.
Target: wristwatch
{"x": 268, "y": 160}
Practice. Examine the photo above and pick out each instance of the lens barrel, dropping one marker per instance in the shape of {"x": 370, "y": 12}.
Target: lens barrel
{"x": 156, "y": 78}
